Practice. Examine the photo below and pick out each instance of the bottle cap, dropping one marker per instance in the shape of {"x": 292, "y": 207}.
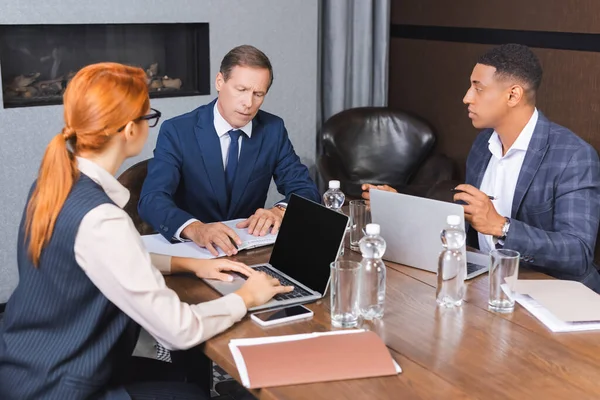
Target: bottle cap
{"x": 372, "y": 229}
{"x": 334, "y": 184}
{"x": 453, "y": 220}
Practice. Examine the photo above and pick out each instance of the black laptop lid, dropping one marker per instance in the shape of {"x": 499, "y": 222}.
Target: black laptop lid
{"x": 308, "y": 242}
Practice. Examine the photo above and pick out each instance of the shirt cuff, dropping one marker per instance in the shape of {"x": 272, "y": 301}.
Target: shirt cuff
{"x": 177, "y": 235}
{"x": 281, "y": 203}
{"x": 162, "y": 262}
{"x": 498, "y": 243}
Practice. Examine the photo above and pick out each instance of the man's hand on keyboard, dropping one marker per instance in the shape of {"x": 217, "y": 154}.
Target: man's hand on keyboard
{"x": 260, "y": 288}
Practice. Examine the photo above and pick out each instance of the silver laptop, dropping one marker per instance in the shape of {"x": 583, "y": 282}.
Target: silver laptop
{"x": 308, "y": 241}
{"x": 411, "y": 227}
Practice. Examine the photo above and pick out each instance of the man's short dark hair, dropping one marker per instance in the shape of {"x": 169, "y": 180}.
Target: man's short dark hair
{"x": 515, "y": 61}
{"x": 245, "y": 56}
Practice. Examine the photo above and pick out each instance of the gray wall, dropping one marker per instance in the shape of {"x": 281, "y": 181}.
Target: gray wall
{"x": 285, "y": 30}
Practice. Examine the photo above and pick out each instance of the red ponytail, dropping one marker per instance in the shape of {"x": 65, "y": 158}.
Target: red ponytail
{"x": 99, "y": 100}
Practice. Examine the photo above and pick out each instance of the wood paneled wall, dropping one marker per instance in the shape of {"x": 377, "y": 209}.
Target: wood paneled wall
{"x": 430, "y": 77}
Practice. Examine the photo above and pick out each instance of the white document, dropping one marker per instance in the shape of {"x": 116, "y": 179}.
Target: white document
{"x": 552, "y": 322}
{"x": 569, "y": 301}
{"x": 159, "y": 245}
{"x": 249, "y": 241}
{"x": 234, "y": 345}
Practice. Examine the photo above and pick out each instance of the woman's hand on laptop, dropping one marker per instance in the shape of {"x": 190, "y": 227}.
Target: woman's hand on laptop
{"x": 367, "y": 186}
{"x": 260, "y": 288}
{"x": 210, "y": 269}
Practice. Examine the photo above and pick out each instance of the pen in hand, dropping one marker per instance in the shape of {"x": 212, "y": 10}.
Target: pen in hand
{"x": 462, "y": 191}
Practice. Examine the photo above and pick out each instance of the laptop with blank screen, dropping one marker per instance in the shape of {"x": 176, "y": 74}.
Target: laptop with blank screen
{"x": 309, "y": 239}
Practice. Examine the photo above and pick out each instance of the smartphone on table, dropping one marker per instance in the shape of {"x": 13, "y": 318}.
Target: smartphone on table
{"x": 281, "y": 315}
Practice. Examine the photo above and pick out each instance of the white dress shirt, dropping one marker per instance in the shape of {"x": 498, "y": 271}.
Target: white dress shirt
{"x": 222, "y": 128}
{"x": 502, "y": 173}
{"x": 110, "y": 251}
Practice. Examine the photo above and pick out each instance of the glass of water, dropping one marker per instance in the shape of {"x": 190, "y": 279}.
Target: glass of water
{"x": 360, "y": 216}
{"x": 344, "y": 293}
{"x": 504, "y": 272}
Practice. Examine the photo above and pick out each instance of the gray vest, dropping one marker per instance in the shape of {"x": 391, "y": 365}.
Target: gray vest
{"x": 61, "y": 338}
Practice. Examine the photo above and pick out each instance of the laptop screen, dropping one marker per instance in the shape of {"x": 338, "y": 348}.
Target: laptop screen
{"x": 308, "y": 242}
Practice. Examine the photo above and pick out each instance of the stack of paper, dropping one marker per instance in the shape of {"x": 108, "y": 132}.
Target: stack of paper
{"x": 312, "y": 357}
{"x": 159, "y": 245}
{"x": 563, "y": 306}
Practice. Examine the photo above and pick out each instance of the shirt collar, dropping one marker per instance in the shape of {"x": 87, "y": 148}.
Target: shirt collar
{"x": 222, "y": 126}
{"x": 522, "y": 142}
{"x": 111, "y": 186}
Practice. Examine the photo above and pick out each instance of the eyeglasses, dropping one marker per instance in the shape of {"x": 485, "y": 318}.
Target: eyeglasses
{"x": 152, "y": 119}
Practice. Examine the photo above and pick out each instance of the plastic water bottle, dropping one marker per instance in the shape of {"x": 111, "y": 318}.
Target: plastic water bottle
{"x": 452, "y": 266}
{"x": 372, "y": 274}
{"x": 334, "y": 198}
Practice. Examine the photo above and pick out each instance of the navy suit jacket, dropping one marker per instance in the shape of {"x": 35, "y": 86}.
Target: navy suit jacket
{"x": 186, "y": 177}
{"x": 556, "y": 206}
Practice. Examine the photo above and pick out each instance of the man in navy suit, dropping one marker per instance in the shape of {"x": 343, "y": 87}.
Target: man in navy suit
{"x": 216, "y": 162}
{"x": 545, "y": 179}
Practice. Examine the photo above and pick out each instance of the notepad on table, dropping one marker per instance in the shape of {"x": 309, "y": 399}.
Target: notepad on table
{"x": 159, "y": 245}
{"x": 312, "y": 357}
{"x": 561, "y": 305}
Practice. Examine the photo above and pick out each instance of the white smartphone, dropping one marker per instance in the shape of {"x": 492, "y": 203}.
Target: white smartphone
{"x": 279, "y": 316}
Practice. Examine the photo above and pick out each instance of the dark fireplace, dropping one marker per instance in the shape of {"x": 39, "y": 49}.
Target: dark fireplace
{"x": 38, "y": 61}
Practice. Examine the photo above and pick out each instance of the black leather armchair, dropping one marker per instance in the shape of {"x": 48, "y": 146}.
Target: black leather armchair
{"x": 382, "y": 146}
{"x": 133, "y": 179}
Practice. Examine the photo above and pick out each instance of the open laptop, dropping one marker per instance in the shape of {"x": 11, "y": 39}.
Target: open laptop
{"x": 309, "y": 240}
{"x": 411, "y": 227}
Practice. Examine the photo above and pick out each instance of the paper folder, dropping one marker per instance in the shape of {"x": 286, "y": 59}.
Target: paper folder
{"x": 313, "y": 357}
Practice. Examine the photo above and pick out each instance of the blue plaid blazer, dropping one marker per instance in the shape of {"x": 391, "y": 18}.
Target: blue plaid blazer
{"x": 556, "y": 206}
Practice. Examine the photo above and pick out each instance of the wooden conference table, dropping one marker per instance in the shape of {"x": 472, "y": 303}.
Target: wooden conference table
{"x": 467, "y": 352}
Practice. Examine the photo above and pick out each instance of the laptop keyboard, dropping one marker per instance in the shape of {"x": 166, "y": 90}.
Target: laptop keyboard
{"x": 296, "y": 293}
{"x": 471, "y": 268}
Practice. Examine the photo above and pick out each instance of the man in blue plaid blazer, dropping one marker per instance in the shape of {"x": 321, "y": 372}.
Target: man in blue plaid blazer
{"x": 545, "y": 179}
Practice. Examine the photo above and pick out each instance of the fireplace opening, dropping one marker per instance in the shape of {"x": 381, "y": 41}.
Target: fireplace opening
{"x": 38, "y": 61}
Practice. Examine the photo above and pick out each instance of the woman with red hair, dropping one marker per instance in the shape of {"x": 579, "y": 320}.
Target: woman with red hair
{"x": 86, "y": 281}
